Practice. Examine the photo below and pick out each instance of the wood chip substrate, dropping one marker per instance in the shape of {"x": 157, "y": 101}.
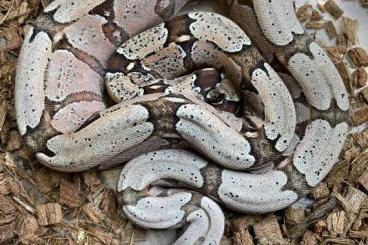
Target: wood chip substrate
{"x": 42, "y": 206}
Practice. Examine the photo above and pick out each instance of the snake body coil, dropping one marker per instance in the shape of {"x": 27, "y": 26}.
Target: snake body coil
{"x": 200, "y": 114}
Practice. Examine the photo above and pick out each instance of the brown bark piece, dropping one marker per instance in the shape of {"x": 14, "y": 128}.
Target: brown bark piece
{"x": 304, "y": 12}
{"x": 360, "y": 116}
{"x": 94, "y": 213}
{"x": 27, "y": 227}
{"x": 3, "y": 113}
{"x": 359, "y": 234}
{"x": 339, "y": 241}
{"x": 4, "y": 184}
{"x": 362, "y": 138}
{"x": 105, "y": 237}
{"x": 341, "y": 43}
{"x": 333, "y": 9}
{"x": 43, "y": 180}
{"x": 319, "y": 212}
{"x": 320, "y": 191}
{"x": 358, "y": 165}
{"x": 359, "y": 221}
{"x": 69, "y": 194}
{"x": 315, "y": 16}
{"x": 335, "y": 223}
{"x": 359, "y": 56}
{"x": 350, "y": 29}
{"x": 359, "y": 77}
{"x": 6, "y": 233}
{"x": 268, "y": 231}
{"x": 12, "y": 36}
{"x": 90, "y": 179}
{"x": 365, "y": 94}
{"x": 109, "y": 203}
{"x": 309, "y": 238}
{"x": 15, "y": 187}
{"x": 352, "y": 203}
{"x": 294, "y": 216}
{"x": 355, "y": 199}
{"x": 243, "y": 237}
{"x": 344, "y": 73}
{"x": 321, "y": 7}
{"x": 330, "y": 29}
{"x": 243, "y": 222}
{"x": 364, "y": 3}
{"x": 363, "y": 179}
{"x": 8, "y": 211}
{"x": 10, "y": 160}
{"x": 14, "y": 141}
{"x": 315, "y": 25}
{"x": 334, "y": 54}
{"x": 319, "y": 226}
{"x": 49, "y": 214}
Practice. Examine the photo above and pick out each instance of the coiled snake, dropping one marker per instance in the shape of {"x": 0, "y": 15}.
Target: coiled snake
{"x": 200, "y": 114}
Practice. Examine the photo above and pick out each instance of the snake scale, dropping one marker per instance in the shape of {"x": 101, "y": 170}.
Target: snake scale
{"x": 195, "y": 107}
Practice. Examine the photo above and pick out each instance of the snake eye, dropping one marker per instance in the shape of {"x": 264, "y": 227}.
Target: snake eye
{"x": 215, "y": 97}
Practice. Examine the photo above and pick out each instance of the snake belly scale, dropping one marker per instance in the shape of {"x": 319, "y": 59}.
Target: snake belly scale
{"x": 200, "y": 117}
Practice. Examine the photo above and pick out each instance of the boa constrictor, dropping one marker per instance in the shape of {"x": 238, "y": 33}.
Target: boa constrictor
{"x": 200, "y": 114}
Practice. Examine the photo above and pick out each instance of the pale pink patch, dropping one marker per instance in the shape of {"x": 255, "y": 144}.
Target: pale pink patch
{"x": 135, "y": 16}
{"x": 87, "y": 35}
{"x": 66, "y": 75}
{"x": 72, "y": 116}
